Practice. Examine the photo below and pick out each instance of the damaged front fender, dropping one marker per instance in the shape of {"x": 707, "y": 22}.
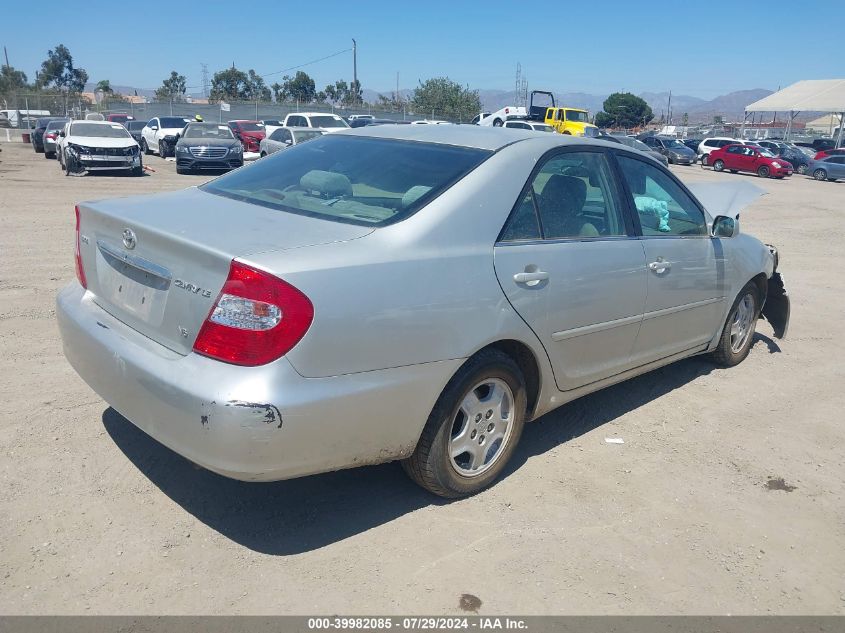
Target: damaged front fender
{"x": 776, "y": 307}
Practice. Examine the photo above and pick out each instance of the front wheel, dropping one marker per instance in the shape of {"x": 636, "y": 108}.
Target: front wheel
{"x": 763, "y": 172}
{"x": 820, "y": 174}
{"x": 718, "y": 164}
{"x": 162, "y": 149}
{"x": 738, "y": 333}
{"x": 144, "y": 147}
{"x": 263, "y": 154}
{"x": 473, "y": 429}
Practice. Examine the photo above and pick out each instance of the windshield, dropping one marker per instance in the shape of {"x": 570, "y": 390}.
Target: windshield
{"x": 249, "y": 126}
{"x": 135, "y": 125}
{"x": 357, "y": 180}
{"x": 766, "y": 152}
{"x": 55, "y": 125}
{"x": 305, "y": 135}
{"x": 207, "y": 130}
{"x": 327, "y": 121}
{"x": 113, "y": 130}
{"x": 171, "y": 122}
{"x": 672, "y": 143}
{"x": 576, "y": 115}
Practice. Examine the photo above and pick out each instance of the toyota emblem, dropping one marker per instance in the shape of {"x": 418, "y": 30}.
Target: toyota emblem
{"x": 129, "y": 239}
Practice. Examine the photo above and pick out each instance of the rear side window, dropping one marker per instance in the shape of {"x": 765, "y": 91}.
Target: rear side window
{"x": 366, "y": 181}
{"x": 663, "y": 207}
{"x": 572, "y": 196}
{"x": 712, "y": 144}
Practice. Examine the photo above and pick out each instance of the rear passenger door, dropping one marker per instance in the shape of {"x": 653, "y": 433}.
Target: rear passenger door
{"x": 686, "y": 267}
{"x": 568, "y": 262}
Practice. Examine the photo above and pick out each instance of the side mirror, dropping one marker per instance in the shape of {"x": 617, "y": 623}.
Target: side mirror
{"x": 153, "y": 127}
{"x": 62, "y": 134}
{"x": 287, "y": 141}
{"x": 724, "y": 226}
{"x": 178, "y": 136}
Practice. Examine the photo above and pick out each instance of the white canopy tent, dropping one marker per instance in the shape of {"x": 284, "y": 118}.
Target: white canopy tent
{"x": 815, "y": 95}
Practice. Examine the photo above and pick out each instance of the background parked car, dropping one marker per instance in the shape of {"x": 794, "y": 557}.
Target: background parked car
{"x": 829, "y": 152}
{"x": 714, "y": 142}
{"x": 207, "y": 146}
{"x": 743, "y": 157}
{"x": 529, "y": 125}
{"x": 629, "y": 141}
{"x": 120, "y": 117}
{"x": 249, "y": 133}
{"x": 98, "y": 145}
{"x": 51, "y": 136}
{"x": 36, "y": 137}
{"x": 324, "y": 120}
{"x": 692, "y": 143}
{"x": 828, "y": 168}
{"x": 158, "y": 136}
{"x": 285, "y": 137}
{"x": 674, "y": 151}
{"x": 135, "y": 128}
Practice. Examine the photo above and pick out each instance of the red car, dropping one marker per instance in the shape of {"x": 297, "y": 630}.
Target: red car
{"x": 119, "y": 118}
{"x": 747, "y": 158}
{"x": 829, "y": 152}
{"x": 249, "y": 133}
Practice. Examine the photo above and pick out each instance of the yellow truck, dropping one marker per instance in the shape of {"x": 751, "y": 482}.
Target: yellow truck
{"x": 574, "y": 121}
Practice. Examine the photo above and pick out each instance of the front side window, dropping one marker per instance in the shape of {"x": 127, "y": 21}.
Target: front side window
{"x": 663, "y": 207}
{"x": 277, "y": 135}
{"x": 357, "y": 180}
{"x": 572, "y": 196}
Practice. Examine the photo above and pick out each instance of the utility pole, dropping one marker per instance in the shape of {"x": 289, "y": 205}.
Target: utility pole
{"x": 6, "y": 53}
{"x": 205, "y": 84}
{"x": 355, "y": 69}
{"x": 669, "y": 109}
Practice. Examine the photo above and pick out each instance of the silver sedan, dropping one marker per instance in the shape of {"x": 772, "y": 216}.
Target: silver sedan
{"x": 284, "y": 137}
{"x": 413, "y": 293}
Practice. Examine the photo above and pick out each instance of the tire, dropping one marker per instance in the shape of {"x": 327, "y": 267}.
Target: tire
{"x": 497, "y": 123}
{"x": 263, "y": 154}
{"x": 144, "y": 148}
{"x": 568, "y": 133}
{"x": 66, "y": 166}
{"x": 48, "y": 155}
{"x": 434, "y": 464}
{"x": 820, "y": 174}
{"x": 139, "y": 170}
{"x": 763, "y": 171}
{"x": 738, "y": 331}
{"x": 734, "y": 171}
{"x": 182, "y": 170}
{"x": 705, "y": 160}
{"x": 162, "y": 149}
{"x": 802, "y": 169}
{"x": 718, "y": 164}
{"x": 671, "y": 160}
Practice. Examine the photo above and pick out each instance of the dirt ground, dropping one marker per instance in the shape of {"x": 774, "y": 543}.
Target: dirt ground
{"x": 95, "y": 517}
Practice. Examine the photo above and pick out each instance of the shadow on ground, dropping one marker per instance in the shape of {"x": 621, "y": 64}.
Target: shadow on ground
{"x": 291, "y": 517}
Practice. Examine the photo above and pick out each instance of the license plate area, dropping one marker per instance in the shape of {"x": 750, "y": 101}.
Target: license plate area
{"x": 132, "y": 284}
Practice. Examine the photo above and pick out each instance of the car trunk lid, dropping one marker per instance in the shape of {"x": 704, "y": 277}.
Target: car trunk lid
{"x": 158, "y": 262}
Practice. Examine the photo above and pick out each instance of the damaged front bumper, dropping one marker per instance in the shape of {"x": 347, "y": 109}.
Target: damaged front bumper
{"x": 776, "y": 307}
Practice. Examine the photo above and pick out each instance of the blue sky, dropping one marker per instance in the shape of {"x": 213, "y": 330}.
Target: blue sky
{"x": 593, "y": 47}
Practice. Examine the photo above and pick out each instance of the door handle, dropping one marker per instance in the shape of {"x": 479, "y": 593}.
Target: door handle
{"x": 524, "y": 278}
{"x": 659, "y": 266}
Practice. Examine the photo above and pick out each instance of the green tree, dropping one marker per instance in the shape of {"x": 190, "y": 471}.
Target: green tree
{"x": 173, "y": 88}
{"x": 300, "y": 87}
{"x": 58, "y": 71}
{"x": 232, "y": 84}
{"x": 393, "y": 102}
{"x": 257, "y": 90}
{"x": 104, "y": 86}
{"x": 11, "y": 79}
{"x": 623, "y": 109}
{"x": 445, "y": 98}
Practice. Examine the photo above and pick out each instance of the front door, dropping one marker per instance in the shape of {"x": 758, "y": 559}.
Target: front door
{"x": 686, "y": 268}
{"x": 572, "y": 269}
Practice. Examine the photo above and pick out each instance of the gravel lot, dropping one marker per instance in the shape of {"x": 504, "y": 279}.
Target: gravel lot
{"x": 95, "y": 517}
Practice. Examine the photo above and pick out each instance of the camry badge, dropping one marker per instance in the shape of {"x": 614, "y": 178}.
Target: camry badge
{"x": 129, "y": 239}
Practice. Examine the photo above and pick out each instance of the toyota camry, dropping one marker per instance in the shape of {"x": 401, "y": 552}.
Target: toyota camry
{"x": 413, "y": 293}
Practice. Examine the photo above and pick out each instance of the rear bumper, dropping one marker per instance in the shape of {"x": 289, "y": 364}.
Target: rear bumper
{"x": 250, "y": 423}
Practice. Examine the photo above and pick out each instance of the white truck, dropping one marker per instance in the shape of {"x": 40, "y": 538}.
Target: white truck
{"x": 498, "y": 118}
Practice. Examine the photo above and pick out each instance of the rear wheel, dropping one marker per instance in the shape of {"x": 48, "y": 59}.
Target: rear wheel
{"x": 763, "y": 171}
{"x": 820, "y": 174}
{"x": 738, "y": 332}
{"x": 718, "y": 164}
{"x": 48, "y": 154}
{"x": 144, "y": 147}
{"x": 473, "y": 429}
{"x": 705, "y": 160}
{"x": 802, "y": 169}
{"x": 497, "y": 123}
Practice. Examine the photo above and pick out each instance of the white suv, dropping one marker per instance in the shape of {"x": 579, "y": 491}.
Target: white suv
{"x": 714, "y": 142}
{"x": 323, "y": 120}
{"x": 159, "y": 135}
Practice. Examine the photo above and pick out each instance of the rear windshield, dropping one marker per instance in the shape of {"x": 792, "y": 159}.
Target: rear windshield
{"x": 365, "y": 181}
{"x": 305, "y": 135}
{"x": 171, "y": 122}
{"x": 113, "y": 130}
{"x": 56, "y": 125}
{"x": 327, "y": 121}
{"x": 135, "y": 125}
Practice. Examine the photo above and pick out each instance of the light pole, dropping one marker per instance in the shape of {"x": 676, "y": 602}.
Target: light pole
{"x": 355, "y": 70}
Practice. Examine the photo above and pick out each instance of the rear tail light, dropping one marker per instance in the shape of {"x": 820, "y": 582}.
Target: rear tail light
{"x": 256, "y": 319}
{"x": 80, "y": 271}
{"x": 51, "y": 136}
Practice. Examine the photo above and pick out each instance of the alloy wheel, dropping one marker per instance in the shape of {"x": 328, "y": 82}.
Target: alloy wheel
{"x": 742, "y": 323}
{"x": 481, "y": 427}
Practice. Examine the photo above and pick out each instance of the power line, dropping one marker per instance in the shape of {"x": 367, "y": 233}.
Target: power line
{"x": 313, "y": 61}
